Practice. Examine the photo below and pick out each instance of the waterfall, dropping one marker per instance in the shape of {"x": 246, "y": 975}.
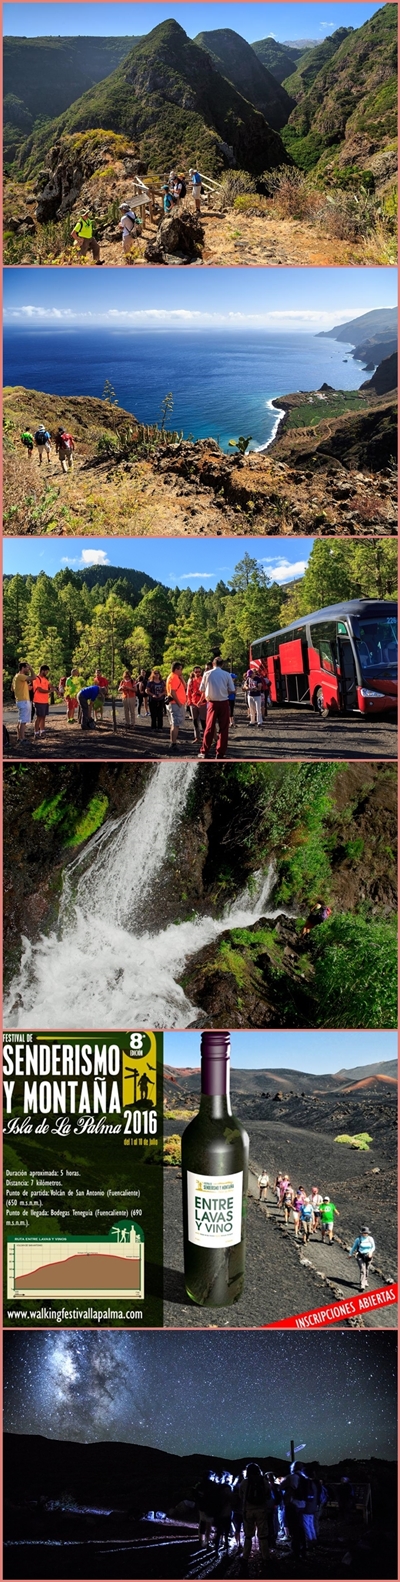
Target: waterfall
{"x": 101, "y": 968}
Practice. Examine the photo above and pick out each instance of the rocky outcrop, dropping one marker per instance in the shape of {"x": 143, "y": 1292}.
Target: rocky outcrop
{"x": 179, "y": 239}
{"x": 364, "y": 440}
{"x": 71, "y": 162}
{"x": 384, "y": 378}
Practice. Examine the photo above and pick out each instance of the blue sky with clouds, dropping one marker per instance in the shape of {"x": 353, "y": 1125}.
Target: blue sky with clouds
{"x": 316, "y": 1052}
{"x": 282, "y": 300}
{"x": 253, "y": 21}
{"x": 182, "y": 563}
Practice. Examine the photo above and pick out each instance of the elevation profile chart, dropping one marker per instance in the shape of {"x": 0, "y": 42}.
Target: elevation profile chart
{"x": 78, "y": 1266}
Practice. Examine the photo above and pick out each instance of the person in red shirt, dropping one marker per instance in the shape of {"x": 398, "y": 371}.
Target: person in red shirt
{"x": 65, "y": 446}
{"x": 197, "y": 702}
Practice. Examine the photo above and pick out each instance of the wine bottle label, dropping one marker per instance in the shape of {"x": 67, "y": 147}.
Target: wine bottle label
{"x": 215, "y": 1209}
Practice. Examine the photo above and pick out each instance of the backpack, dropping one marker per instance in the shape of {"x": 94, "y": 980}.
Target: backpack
{"x": 41, "y": 436}
{"x": 66, "y": 441}
{"x": 26, "y": 438}
{"x": 183, "y": 191}
{"x": 256, "y": 1493}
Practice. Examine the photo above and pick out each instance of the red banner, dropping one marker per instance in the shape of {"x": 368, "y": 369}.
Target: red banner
{"x": 342, "y": 1308}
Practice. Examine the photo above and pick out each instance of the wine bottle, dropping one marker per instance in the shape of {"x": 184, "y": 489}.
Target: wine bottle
{"x": 215, "y": 1151}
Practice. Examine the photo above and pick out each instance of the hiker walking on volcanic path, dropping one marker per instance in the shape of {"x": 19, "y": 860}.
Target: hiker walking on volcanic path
{"x": 156, "y": 691}
{"x": 197, "y": 702}
{"x": 65, "y": 446}
{"x": 316, "y": 1200}
{"x": 127, "y": 689}
{"x": 263, "y": 1184}
{"x": 42, "y": 442}
{"x": 176, "y": 703}
{"x": 83, "y": 238}
{"x": 41, "y": 692}
{"x": 288, "y": 1202}
{"x": 306, "y": 1219}
{"x": 327, "y": 1216}
{"x": 216, "y": 685}
{"x": 297, "y": 1205}
{"x": 364, "y": 1247}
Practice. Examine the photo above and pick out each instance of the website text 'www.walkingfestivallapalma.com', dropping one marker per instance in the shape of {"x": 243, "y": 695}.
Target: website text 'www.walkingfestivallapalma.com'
{"x": 200, "y": 790}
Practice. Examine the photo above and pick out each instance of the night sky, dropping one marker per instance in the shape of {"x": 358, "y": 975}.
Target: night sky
{"x": 237, "y": 1393}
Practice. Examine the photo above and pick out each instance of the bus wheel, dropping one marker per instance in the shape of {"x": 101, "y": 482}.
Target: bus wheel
{"x": 321, "y": 707}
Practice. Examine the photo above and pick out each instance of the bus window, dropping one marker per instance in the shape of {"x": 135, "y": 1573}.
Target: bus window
{"x": 376, "y": 643}
{"x": 323, "y": 639}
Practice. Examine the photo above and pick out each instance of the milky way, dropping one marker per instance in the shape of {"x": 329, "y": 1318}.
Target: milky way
{"x": 237, "y": 1393}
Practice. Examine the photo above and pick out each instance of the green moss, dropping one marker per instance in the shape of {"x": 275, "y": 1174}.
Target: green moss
{"x": 90, "y": 821}
{"x": 355, "y": 963}
{"x": 360, "y": 1140}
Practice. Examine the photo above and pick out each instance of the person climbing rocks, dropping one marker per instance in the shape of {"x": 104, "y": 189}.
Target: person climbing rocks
{"x": 27, "y": 441}
{"x": 86, "y": 696}
{"x": 364, "y": 1248}
{"x": 176, "y": 703}
{"x": 41, "y": 695}
{"x": 20, "y": 688}
{"x": 42, "y": 442}
{"x": 65, "y": 446}
{"x": 319, "y": 914}
{"x": 195, "y": 179}
{"x": 83, "y": 238}
{"x": 130, "y": 226}
{"x": 216, "y": 685}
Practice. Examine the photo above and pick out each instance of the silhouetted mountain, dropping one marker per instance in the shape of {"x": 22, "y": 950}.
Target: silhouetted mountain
{"x": 385, "y": 376}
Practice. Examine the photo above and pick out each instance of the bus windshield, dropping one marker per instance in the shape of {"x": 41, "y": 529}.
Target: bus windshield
{"x": 376, "y": 643}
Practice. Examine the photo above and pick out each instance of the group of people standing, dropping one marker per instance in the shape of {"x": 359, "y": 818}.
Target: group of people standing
{"x": 258, "y": 1503}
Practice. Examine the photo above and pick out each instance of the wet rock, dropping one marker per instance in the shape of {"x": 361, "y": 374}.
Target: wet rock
{"x": 180, "y": 236}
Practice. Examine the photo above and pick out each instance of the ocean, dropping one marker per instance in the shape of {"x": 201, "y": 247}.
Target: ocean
{"x": 222, "y": 382}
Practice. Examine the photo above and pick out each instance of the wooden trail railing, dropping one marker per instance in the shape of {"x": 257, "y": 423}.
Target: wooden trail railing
{"x": 143, "y": 195}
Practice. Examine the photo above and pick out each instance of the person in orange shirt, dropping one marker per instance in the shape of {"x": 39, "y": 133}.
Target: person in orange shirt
{"x": 176, "y": 703}
{"x": 41, "y": 693}
{"x": 127, "y": 688}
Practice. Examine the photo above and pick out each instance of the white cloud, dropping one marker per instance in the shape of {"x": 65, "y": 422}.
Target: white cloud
{"x": 284, "y": 570}
{"x": 95, "y": 557}
{"x": 89, "y": 557}
{"x": 200, "y": 576}
{"x": 162, "y": 318}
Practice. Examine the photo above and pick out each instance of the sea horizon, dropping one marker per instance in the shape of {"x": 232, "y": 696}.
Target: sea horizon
{"x": 223, "y": 382}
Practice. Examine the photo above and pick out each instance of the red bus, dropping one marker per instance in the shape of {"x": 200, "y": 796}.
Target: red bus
{"x": 340, "y": 660}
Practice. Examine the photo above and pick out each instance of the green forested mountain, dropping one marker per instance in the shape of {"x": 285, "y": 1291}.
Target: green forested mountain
{"x": 111, "y": 616}
{"x": 308, "y": 65}
{"x": 172, "y": 103}
{"x": 349, "y": 114}
{"x": 279, "y": 59}
{"x": 234, "y": 58}
{"x": 45, "y": 75}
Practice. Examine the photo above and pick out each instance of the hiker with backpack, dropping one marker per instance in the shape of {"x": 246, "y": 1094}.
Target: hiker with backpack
{"x": 195, "y": 179}
{"x": 83, "y": 238}
{"x": 27, "y": 441}
{"x": 42, "y": 442}
{"x": 364, "y": 1248}
{"x": 255, "y": 1513}
{"x": 130, "y": 225}
{"x": 65, "y": 446}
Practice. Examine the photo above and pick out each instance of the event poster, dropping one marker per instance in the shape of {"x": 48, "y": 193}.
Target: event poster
{"x": 83, "y": 1179}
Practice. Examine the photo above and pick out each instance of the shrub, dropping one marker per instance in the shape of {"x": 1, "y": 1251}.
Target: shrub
{"x": 172, "y": 1150}
{"x": 355, "y": 972}
{"x": 250, "y": 203}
